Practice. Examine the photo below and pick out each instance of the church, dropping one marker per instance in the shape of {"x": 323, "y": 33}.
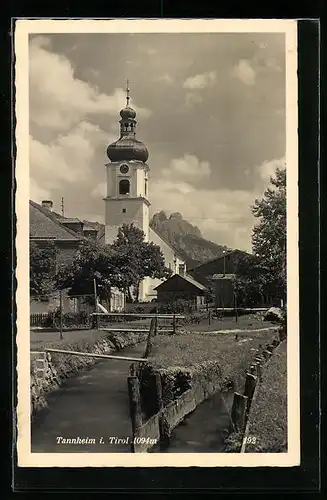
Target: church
{"x": 128, "y": 195}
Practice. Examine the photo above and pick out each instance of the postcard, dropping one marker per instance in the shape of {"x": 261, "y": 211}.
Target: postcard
{"x": 157, "y": 242}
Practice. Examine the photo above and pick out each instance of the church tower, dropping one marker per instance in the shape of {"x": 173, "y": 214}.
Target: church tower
{"x": 127, "y": 201}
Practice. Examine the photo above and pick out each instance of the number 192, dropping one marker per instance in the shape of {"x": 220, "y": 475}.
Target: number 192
{"x": 250, "y": 440}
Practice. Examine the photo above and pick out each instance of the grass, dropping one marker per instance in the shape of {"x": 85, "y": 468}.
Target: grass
{"x": 246, "y": 322}
{"x": 188, "y": 351}
{"x": 39, "y": 340}
{"x": 268, "y": 415}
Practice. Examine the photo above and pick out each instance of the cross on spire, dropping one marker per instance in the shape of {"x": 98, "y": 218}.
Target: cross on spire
{"x": 127, "y": 93}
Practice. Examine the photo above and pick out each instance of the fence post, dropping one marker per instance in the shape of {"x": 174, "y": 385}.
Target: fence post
{"x": 209, "y": 317}
{"x": 238, "y": 411}
{"x": 135, "y": 407}
{"x": 174, "y": 324}
{"x": 158, "y": 393}
{"x": 164, "y": 437}
{"x": 60, "y": 302}
{"x": 235, "y": 307}
{"x": 259, "y": 370}
{"x": 250, "y": 383}
{"x": 149, "y": 340}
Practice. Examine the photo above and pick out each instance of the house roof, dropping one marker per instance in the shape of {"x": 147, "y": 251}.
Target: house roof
{"x": 69, "y": 220}
{"x": 97, "y": 226}
{"x": 185, "y": 277}
{"x": 46, "y": 224}
{"x": 223, "y": 276}
{"x": 230, "y": 252}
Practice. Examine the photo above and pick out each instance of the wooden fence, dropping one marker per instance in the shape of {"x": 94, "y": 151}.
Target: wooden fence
{"x": 52, "y": 320}
{"x": 38, "y": 319}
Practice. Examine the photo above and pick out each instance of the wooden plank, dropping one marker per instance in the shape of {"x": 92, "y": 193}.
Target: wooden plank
{"x": 246, "y": 309}
{"x": 133, "y": 330}
{"x": 91, "y": 355}
{"x": 138, "y": 315}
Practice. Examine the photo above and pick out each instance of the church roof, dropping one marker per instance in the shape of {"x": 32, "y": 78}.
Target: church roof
{"x": 127, "y": 149}
{"x": 167, "y": 243}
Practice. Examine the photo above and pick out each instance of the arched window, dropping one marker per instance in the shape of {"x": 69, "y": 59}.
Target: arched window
{"x": 124, "y": 186}
{"x": 146, "y": 187}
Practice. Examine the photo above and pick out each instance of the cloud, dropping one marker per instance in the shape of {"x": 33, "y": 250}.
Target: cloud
{"x": 268, "y": 168}
{"x": 99, "y": 190}
{"x": 193, "y": 98}
{"x": 187, "y": 167}
{"x": 223, "y": 215}
{"x": 200, "y": 81}
{"x": 38, "y": 193}
{"x": 165, "y": 79}
{"x": 150, "y": 51}
{"x": 59, "y": 100}
{"x": 68, "y": 159}
{"x": 244, "y": 72}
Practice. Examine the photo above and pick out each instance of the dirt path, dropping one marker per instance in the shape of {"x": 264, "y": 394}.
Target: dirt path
{"x": 92, "y": 405}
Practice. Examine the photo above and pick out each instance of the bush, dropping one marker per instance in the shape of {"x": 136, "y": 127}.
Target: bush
{"x": 197, "y": 317}
{"x": 174, "y": 382}
{"x": 52, "y": 320}
{"x": 179, "y": 306}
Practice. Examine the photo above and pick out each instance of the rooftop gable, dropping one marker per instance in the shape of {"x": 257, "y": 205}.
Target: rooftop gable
{"x": 216, "y": 259}
{"x": 46, "y": 224}
{"x": 178, "y": 278}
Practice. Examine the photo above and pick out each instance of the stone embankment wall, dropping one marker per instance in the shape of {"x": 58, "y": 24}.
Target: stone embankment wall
{"x": 49, "y": 371}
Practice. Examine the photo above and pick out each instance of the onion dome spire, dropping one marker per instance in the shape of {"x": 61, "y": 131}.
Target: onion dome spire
{"x": 127, "y": 148}
{"x": 127, "y": 93}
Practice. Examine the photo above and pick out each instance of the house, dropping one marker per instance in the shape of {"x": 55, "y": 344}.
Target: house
{"x": 182, "y": 287}
{"x": 226, "y": 264}
{"x": 66, "y": 234}
{"x": 223, "y": 287}
{"x": 218, "y": 275}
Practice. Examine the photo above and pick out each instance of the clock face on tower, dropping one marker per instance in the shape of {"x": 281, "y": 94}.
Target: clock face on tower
{"x": 124, "y": 169}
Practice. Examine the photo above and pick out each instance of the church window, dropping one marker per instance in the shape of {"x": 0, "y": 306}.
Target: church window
{"x": 146, "y": 187}
{"x": 124, "y": 210}
{"x": 124, "y": 186}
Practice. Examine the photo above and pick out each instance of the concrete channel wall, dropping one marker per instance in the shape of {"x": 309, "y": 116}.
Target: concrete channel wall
{"x": 174, "y": 413}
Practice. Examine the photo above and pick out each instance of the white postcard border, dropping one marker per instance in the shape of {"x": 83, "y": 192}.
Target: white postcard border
{"x": 23, "y": 28}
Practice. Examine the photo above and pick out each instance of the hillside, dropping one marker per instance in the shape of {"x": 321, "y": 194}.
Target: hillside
{"x": 186, "y": 238}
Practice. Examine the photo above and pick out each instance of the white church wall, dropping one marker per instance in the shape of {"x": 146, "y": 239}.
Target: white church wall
{"x": 125, "y": 211}
{"x": 172, "y": 261}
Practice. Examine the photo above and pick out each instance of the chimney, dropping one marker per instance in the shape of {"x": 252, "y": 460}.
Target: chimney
{"x": 48, "y": 204}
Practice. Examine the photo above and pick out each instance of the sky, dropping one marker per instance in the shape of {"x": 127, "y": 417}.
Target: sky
{"x": 210, "y": 109}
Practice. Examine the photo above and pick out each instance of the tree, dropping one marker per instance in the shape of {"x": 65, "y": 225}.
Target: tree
{"x": 265, "y": 274}
{"x": 146, "y": 259}
{"x": 269, "y": 235}
{"x": 99, "y": 262}
{"x": 249, "y": 284}
{"x": 42, "y": 269}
